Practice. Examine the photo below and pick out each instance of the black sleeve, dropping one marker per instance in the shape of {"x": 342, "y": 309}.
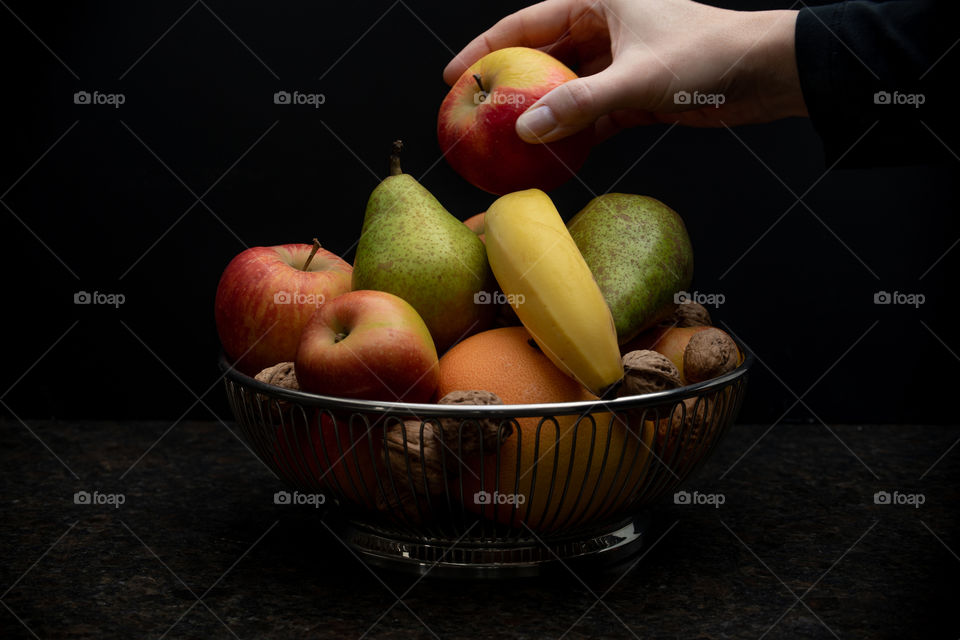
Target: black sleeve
{"x": 890, "y": 68}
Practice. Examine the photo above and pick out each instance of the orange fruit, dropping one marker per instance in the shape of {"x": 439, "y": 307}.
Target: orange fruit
{"x": 507, "y": 362}
{"x": 555, "y": 472}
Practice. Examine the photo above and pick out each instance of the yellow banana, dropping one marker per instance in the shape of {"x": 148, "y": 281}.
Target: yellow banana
{"x": 550, "y": 286}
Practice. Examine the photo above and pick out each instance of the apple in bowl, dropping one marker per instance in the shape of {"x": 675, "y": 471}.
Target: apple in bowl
{"x": 330, "y": 452}
{"x": 369, "y": 345}
{"x": 477, "y": 124}
{"x": 267, "y": 294}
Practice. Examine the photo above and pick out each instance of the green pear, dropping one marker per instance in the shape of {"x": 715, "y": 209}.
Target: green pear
{"x": 412, "y": 247}
{"x": 639, "y": 253}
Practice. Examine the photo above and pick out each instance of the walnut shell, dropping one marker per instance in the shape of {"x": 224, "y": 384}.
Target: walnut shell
{"x": 416, "y": 444}
{"x": 710, "y": 353}
{"x": 401, "y": 502}
{"x": 474, "y": 431}
{"x": 416, "y": 469}
{"x": 692, "y": 423}
{"x": 423, "y": 455}
{"x": 689, "y": 314}
{"x": 647, "y": 371}
{"x": 280, "y": 375}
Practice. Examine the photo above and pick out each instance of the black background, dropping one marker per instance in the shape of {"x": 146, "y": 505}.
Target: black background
{"x": 115, "y": 199}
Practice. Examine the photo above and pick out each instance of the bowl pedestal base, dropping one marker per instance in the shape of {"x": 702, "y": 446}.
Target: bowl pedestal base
{"x": 519, "y": 557}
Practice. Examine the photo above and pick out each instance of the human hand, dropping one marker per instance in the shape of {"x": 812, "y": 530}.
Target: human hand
{"x": 636, "y": 57}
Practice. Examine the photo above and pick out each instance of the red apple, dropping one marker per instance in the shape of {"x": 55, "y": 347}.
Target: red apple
{"x": 476, "y": 224}
{"x": 476, "y": 126}
{"x": 329, "y": 453}
{"x": 265, "y": 298}
{"x": 370, "y": 345}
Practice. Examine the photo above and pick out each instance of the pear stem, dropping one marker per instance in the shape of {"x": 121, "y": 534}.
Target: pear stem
{"x": 313, "y": 252}
{"x": 395, "y": 169}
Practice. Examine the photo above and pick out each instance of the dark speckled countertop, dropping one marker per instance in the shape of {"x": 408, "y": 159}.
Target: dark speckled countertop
{"x": 199, "y": 550}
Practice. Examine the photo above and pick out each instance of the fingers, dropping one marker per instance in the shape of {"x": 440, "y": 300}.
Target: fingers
{"x": 535, "y": 26}
{"x": 576, "y": 104}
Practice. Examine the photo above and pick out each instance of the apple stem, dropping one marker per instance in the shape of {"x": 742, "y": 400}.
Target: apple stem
{"x": 395, "y": 169}
{"x": 313, "y": 252}
{"x": 340, "y": 336}
{"x": 479, "y": 80}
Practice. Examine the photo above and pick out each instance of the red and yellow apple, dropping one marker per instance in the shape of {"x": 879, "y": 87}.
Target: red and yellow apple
{"x": 477, "y": 120}
{"x": 370, "y": 345}
{"x": 265, "y": 297}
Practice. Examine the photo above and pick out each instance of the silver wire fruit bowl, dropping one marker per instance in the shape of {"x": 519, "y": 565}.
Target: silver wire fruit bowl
{"x": 486, "y": 491}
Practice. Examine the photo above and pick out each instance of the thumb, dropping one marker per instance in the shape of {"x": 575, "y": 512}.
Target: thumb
{"x": 575, "y": 105}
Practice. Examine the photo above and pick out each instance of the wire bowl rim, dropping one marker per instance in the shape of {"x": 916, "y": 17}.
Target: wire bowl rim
{"x": 427, "y": 410}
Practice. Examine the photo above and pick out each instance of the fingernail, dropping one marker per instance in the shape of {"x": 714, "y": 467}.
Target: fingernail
{"x": 536, "y": 123}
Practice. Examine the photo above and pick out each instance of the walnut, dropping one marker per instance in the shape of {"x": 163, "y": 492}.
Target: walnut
{"x": 404, "y": 487}
{"x": 689, "y": 314}
{"x": 416, "y": 444}
{"x": 404, "y": 500}
{"x": 474, "y": 430}
{"x": 280, "y": 375}
{"x": 403, "y": 494}
{"x": 691, "y": 426}
{"x": 710, "y": 353}
{"x": 647, "y": 371}
{"x": 423, "y": 455}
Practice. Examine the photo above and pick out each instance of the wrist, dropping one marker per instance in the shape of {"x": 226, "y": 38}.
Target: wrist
{"x": 771, "y": 60}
